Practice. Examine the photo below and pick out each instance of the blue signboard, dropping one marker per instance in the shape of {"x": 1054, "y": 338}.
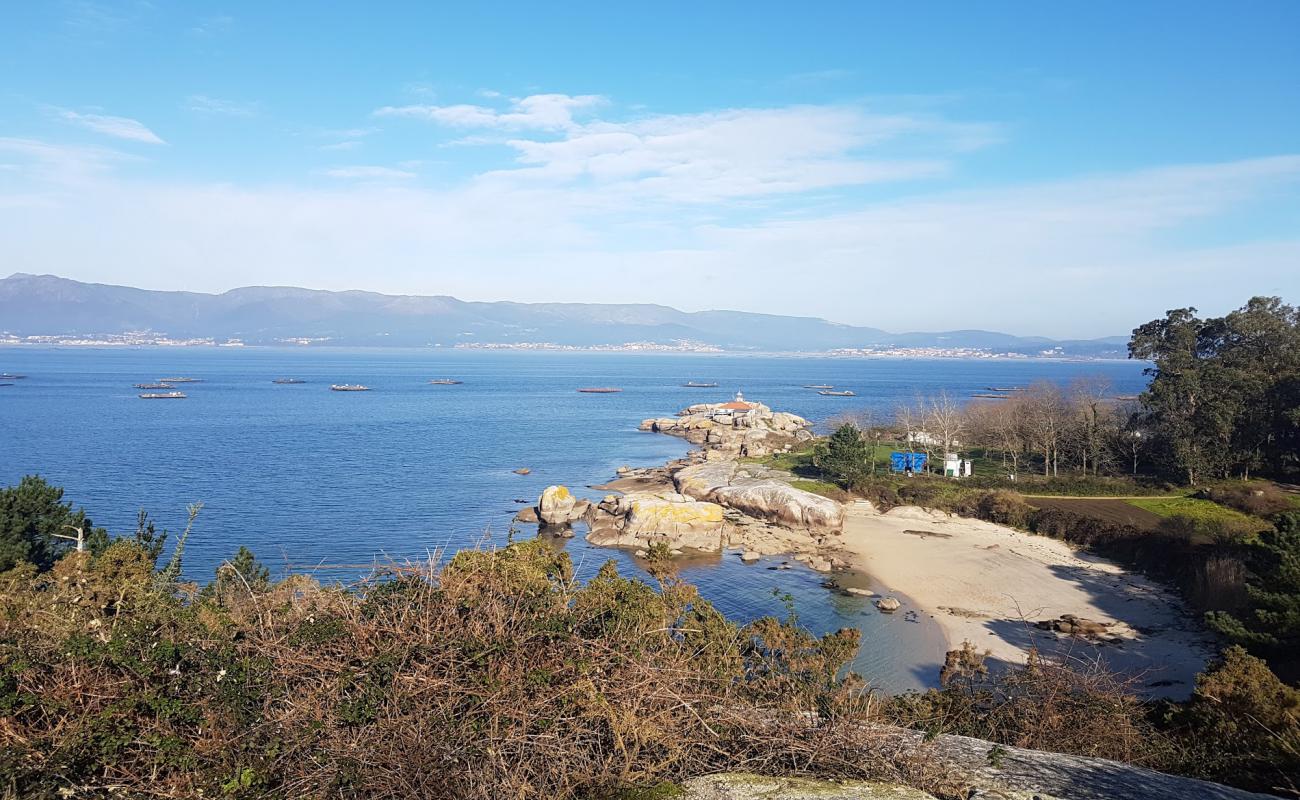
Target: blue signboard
{"x": 907, "y": 462}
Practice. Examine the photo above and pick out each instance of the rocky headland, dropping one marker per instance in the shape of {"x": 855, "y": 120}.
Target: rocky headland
{"x": 713, "y": 500}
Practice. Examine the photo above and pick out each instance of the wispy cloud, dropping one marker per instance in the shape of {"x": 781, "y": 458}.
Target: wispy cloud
{"x": 214, "y": 106}
{"x": 212, "y": 25}
{"x": 350, "y": 144}
{"x": 369, "y": 173}
{"x": 117, "y": 127}
{"x": 784, "y": 209}
{"x": 699, "y": 158}
{"x": 535, "y": 112}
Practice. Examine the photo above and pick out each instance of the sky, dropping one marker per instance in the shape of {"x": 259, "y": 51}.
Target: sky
{"x": 1063, "y": 169}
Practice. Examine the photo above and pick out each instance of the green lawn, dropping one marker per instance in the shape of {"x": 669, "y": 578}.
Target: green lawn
{"x": 1193, "y": 507}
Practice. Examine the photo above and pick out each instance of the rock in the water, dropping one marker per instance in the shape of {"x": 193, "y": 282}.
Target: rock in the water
{"x": 523, "y": 471}
{"x": 859, "y": 591}
{"x": 749, "y": 556}
{"x": 555, "y": 507}
{"x": 888, "y": 604}
{"x": 527, "y": 515}
{"x": 623, "y": 470}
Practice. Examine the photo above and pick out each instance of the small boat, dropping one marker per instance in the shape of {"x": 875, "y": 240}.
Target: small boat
{"x": 1004, "y": 388}
{"x": 284, "y": 381}
{"x": 349, "y": 387}
{"x": 9, "y": 376}
{"x": 832, "y": 393}
{"x": 153, "y": 386}
{"x": 180, "y": 380}
{"x": 163, "y": 396}
{"x": 819, "y": 386}
{"x": 694, "y": 385}
{"x": 600, "y": 390}
{"x": 445, "y": 382}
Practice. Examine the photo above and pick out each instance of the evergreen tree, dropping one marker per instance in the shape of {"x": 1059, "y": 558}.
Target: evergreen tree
{"x": 1272, "y": 623}
{"x": 34, "y": 520}
{"x": 845, "y": 456}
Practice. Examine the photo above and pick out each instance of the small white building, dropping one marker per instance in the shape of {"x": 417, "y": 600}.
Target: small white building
{"x": 954, "y": 466}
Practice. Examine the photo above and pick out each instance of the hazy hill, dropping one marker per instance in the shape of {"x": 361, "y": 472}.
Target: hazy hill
{"x": 47, "y": 304}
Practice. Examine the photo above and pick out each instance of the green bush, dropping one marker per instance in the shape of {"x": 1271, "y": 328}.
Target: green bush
{"x": 1241, "y": 726}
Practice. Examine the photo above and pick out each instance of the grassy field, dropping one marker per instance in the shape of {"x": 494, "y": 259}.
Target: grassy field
{"x": 1192, "y": 507}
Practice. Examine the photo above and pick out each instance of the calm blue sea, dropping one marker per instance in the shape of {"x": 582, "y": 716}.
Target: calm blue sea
{"x": 311, "y": 479}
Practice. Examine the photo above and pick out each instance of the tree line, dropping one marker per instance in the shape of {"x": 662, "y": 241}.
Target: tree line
{"x": 1224, "y": 397}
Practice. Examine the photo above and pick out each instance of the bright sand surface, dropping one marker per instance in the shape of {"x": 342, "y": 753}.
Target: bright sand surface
{"x": 987, "y": 584}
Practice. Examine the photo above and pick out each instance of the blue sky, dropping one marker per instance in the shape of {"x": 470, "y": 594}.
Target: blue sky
{"x": 1053, "y": 168}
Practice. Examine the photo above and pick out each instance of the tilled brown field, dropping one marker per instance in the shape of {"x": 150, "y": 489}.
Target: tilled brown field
{"x": 1106, "y": 509}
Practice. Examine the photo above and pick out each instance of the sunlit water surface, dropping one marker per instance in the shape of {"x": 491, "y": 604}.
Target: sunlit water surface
{"x": 312, "y": 479}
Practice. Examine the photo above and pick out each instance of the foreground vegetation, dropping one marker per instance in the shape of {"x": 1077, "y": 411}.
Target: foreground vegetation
{"x": 500, "y": 676}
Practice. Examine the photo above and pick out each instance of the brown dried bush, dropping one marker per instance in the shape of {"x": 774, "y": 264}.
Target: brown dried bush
{"x": 1046, "y": 704}
{"x": 496, "y": 676}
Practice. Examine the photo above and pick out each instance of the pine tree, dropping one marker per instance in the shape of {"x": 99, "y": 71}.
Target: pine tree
{"x": 845, "y": 456}
{"x": 1273, "y": 620}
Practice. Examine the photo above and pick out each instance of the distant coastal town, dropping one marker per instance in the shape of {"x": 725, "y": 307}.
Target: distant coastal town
{"x": 158, "y": 339}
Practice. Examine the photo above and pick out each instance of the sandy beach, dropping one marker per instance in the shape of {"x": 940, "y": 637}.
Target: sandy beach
{"x": 987, "y": 584}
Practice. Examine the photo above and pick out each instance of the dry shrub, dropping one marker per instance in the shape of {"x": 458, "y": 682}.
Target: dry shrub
{"x": 1004, "y": 507}
{"x": 1257, "y": 498}
{"x": 496, "y": 676}
{"x": 1047, "y": 704}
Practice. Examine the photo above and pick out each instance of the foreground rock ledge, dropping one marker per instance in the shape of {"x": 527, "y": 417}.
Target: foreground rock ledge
{"x": 742, "y": 786}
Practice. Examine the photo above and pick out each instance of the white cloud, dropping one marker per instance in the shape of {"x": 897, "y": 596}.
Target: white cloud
{"x": 369, "y": 173}
{"x": 118, "y": 127}
{"x": 733, "y": 154}
{"x": 760, "y": 209}
{"x": 202, "y": 104}
{"x": 536, "y": 112}
{"x": 706, "y": 157}
{"x": 351, "y": 144}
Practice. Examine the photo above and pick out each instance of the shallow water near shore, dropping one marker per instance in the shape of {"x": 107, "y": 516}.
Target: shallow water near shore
{"x": 331, "y": 482}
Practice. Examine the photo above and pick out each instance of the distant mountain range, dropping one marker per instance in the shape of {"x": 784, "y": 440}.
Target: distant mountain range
{"x": 50, "y": 305}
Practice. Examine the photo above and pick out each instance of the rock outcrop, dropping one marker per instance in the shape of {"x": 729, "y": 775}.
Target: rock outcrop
{"x": 641, "y": 519}
{"x": 991, "y": 771}
{"x": 743, "y": 786}
{"x": 709, "y": 501}
{"x": 729, "y": 484}
{"x": 557, "y": 507}
{"x": 734, "y": 429}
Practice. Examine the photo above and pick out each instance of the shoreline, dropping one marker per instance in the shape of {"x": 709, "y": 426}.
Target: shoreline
{"x": 1005, "y": 591}
{"x": 989, "y": 584}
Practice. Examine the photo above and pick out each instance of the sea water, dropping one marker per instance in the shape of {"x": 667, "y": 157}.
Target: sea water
{"x": 337, "y": 482}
